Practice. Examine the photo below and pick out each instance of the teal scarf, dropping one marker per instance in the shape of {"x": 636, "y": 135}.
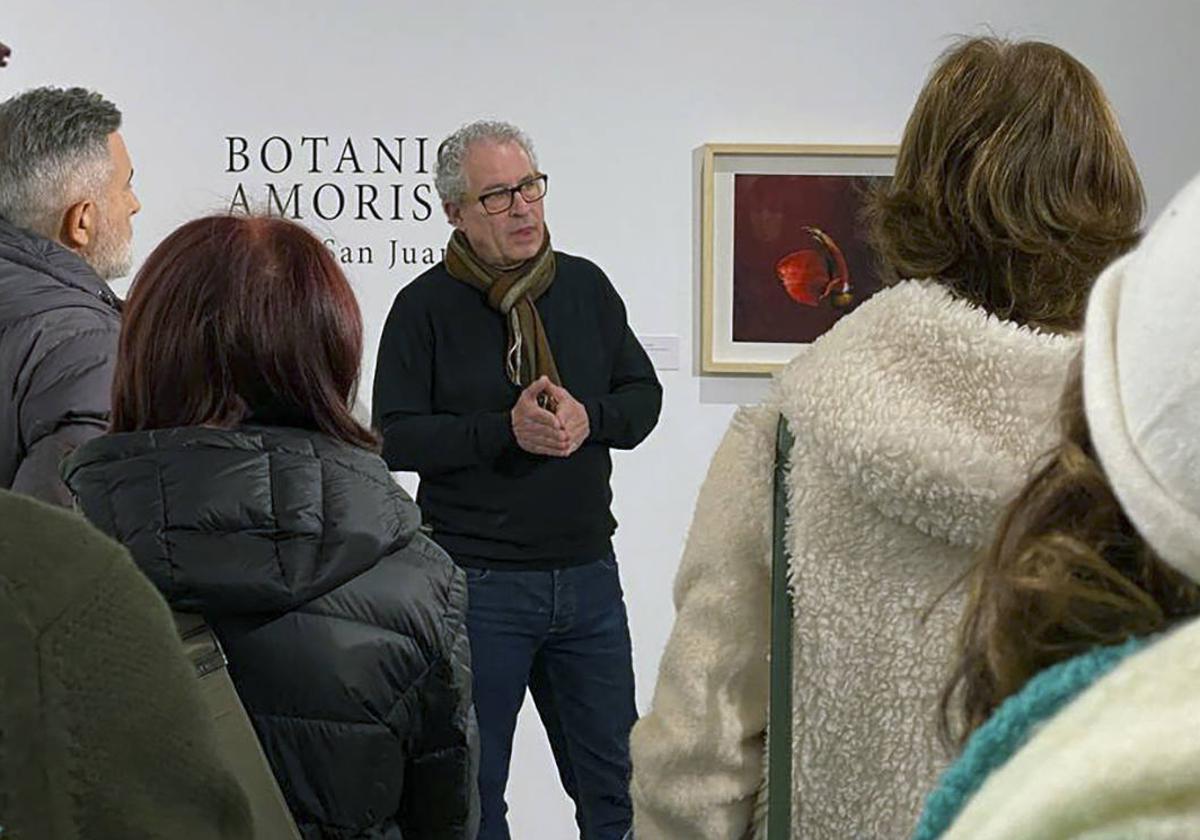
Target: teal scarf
{"x": 1016, "y": 721}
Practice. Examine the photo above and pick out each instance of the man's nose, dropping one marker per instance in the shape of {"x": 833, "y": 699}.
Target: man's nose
{"x": 520, "y": 206}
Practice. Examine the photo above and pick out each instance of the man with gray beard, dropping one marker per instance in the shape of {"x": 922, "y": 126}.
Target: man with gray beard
{"x": 66, "y": 204}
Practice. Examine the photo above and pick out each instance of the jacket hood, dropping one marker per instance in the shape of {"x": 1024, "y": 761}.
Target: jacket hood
{"x": 249, "y": 520}
{"x": 930, "y": 408}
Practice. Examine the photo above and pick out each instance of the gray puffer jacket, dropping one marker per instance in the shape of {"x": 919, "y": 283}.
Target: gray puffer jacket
{"x": 58, "y": 339}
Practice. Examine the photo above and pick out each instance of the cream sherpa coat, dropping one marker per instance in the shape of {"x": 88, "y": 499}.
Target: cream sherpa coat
{"x": 916, "y": 418}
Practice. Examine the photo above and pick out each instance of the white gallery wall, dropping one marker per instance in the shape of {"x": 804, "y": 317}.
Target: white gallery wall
{"x": 617, "y": 96}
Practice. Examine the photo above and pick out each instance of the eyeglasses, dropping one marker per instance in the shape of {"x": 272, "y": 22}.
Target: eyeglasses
{"x": 499, "y": 201}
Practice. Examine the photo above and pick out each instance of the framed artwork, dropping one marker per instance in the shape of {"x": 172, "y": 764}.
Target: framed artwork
{"x": 784, "y": 253}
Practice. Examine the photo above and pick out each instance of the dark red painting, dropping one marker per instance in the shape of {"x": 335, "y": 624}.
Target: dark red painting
{"x": 800, "y": 259}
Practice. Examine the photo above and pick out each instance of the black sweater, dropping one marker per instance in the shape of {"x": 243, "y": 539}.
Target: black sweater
{"x": 442, "y": 401}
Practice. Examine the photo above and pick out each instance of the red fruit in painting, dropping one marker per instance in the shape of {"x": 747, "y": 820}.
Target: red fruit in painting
{"x": 812, "y": 274}
{"x": 804, "y": 277}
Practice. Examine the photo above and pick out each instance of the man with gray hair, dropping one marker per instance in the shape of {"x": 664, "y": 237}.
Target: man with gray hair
{"x": 506, "y": 374}
{"x": 66, "y": 204}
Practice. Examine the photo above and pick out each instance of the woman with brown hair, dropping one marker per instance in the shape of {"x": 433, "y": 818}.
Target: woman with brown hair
{"x": 1075, "y": 704}
{"x": 246, "y": 491}
{"x": 915, "y": 419}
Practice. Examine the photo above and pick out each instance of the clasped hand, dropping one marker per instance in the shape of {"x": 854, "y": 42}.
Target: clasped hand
{"x": 547, "y": 420}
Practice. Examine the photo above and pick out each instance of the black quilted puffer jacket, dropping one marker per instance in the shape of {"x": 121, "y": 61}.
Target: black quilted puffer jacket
{"x": 343, "y": 625}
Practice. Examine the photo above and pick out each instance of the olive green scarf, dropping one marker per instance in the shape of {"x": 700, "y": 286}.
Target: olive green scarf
{"x": 512, "y": 293}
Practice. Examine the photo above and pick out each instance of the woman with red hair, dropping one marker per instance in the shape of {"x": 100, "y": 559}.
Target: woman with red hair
{"x": 246, "y": 491}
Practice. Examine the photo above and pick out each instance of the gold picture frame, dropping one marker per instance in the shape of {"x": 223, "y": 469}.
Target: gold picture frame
{"x": 814, "y": 179}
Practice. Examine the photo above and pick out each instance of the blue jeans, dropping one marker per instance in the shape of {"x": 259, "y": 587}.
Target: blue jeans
{"x": 563, "y": 634}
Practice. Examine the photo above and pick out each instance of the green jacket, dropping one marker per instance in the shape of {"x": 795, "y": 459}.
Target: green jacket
{"x": 102, "y": 729}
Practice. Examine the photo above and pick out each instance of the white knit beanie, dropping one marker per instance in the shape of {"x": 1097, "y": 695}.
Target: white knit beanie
{"x": 1141, "y": 381}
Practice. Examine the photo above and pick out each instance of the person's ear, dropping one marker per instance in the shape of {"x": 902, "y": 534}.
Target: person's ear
{"x": 453, "y": 213}
{"x": 78, "y": 225}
